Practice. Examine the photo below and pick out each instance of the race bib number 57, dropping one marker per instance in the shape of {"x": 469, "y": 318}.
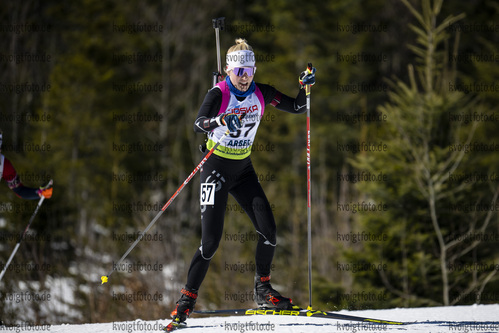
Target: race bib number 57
{"x": 207, "y": 195}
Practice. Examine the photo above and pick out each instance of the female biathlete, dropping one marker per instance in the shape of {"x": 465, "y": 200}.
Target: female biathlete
{"x": 229, "y": 170}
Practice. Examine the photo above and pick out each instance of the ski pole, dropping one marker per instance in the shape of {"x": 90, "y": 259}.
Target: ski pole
{"x": 218, "y": 24}
{"x": 309, "y": 193}
{"x": 104, "y": 278}
{"x": 21, "y": 237}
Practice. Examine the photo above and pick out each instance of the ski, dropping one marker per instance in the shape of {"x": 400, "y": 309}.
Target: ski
{"x": 297, "y": 313}
{"x": 175, "y": 325}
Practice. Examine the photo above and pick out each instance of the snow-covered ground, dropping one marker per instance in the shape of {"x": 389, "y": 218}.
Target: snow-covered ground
{"x": 459, "y": 319}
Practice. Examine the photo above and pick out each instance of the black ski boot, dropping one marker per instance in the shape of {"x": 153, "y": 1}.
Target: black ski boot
{"x": 185, "y": 305}
{"x": 268, "y": 297}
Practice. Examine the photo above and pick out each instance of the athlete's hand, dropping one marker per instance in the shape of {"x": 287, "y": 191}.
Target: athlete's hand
{"x": 232, "y": 121}
{"x": 307, "y": 77}
{"x": 45, "y": 191}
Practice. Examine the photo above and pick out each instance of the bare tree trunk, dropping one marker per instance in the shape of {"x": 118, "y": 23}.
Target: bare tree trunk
{"x": 441, "y": 243}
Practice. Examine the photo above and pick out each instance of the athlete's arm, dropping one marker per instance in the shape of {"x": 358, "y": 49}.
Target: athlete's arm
{"x": 283, "y": 102}
{"x": 207, "y": 119}
{"x": 12, "y": 178}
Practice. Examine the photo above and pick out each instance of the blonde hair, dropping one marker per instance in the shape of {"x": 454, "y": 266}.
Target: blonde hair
{"x": 241, "y": 44}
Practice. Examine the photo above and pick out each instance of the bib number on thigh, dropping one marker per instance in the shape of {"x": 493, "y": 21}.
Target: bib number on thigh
{"x": 207, "y": 194}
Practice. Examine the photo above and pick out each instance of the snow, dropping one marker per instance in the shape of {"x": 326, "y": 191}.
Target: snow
{"x": 459, "y": 319}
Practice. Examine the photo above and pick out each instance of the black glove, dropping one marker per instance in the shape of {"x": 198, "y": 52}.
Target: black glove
{"x": 231, "y": 120}
{"x": 307, "y": 77}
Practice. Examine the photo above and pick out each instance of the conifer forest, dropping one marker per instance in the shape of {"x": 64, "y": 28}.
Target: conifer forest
{"x": 101, "y": 96}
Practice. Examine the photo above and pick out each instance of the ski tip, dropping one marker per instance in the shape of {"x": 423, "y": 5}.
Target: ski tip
{"x": 104, "y": 279}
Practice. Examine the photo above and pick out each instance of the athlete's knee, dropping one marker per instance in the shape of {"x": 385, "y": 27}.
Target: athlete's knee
{"x": 269, "y": 239}
{"x": 267, "y": 235}
{"x": 208, "y": 249}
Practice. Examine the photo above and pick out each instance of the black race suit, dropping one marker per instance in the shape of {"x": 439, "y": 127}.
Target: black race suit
{"x": 238, "y": 178}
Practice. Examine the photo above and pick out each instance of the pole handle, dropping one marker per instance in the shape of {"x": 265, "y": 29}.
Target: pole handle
{"x": 309, "y": 68}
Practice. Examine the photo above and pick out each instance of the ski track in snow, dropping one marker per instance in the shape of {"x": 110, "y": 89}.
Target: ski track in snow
{"x": 459, "y": 319}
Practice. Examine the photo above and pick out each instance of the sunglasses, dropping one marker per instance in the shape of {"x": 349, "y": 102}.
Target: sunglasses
{"x": 240, "y": 71}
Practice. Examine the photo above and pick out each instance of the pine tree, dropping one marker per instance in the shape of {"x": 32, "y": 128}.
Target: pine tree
{"x": 428, "y": 224}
